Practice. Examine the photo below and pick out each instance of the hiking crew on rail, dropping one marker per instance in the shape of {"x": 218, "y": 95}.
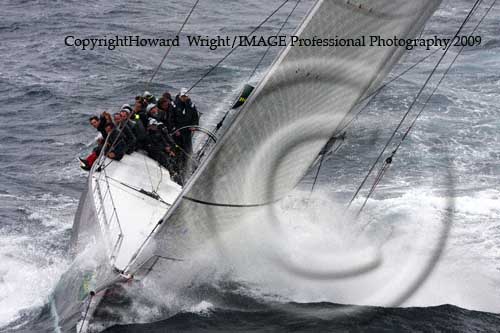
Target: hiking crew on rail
{"x": 163, "y": 128}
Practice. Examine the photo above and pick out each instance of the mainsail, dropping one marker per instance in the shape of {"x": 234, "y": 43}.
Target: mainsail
{"x": 296, "y": 108}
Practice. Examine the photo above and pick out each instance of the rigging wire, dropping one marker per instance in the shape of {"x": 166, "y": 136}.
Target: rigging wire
{"x": 171, "y": 45}
{"x": 102, "y": 160}
{"x": 221, "y": 122}
{"x": 149, "y": 173}
{"x": 378, "y": 90}
{"x": 102, "y": 166}
{"x": 206, "y": 74}
{"x": 322, "y": 157}
{"x": 153, "y": 194}
{"x": 217, "y": 64}
{"x": 373, "y": 94}
{"x": 411, "y": 106}
{"x": 269, "y": 46}
{"x": 388, "y": 161}
{"x": 126, "y": 190}
{"x": 441, "y": 80}
{"x": 86, "y": 313}
{"x": 151, "y": 79}
{"x": 161, "y": 178}
{"x": 236, "y": 47}
{"x": 316, "y": 176}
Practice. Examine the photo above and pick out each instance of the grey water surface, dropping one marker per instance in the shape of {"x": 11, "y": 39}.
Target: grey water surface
{"x": 48, "y": 90}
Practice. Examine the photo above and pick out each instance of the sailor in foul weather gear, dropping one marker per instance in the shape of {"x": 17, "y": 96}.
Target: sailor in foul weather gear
{"x": 154, "y": 123}
{"x": 151, "y": 111}
{"x": 185, "y": 114}
{"x": 161, "y": 147}
{"x": 137, "y": 128}
{"x": 126, "y": 132}
{"x": 126, "y": 107}
{"x": 99, "y": 123}
{"x": 149, "y": 97}
{"x": 139, "y": 111}
{"x": 115, "y": 146}
{"x": 165, "y": 114}
{"x": 167, "y": 95}
{"x": 148, "y": 125}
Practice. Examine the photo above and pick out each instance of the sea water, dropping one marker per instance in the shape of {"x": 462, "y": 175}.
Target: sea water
{"x": 446, "y": 174}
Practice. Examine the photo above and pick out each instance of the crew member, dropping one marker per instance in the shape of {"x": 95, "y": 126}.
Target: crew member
{"x": 161, "y": 148}
{"x": 126, "y": 132}
{"x": 99, "y": 123}
{"x": 166, "y": 110}
{"x": 137, "y": 128}
{"x": 184, "y": 115}
{"x": 115, "y": 145}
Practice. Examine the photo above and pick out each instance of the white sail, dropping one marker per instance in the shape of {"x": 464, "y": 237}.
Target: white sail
{"x": 292, "y": 113}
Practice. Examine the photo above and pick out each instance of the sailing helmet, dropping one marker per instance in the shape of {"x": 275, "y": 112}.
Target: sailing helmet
{"x": 149, "y": 97}
{"x": 184, "y": 92}
{"x": 150, "y": 107}
{"x": 126, "y": 107}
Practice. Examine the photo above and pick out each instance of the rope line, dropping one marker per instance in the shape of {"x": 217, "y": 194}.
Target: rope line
{"x": 221, "y": 122}
{"x": 388, "y": 161}
{"x": 317, "y": 174}
{"x": 269, "y": 46}
{"x": 320, "y": 164}
{"x": 441, "y": 80}
{"x": 170, "y": 47}
{"x": 410, "y": 108}
{"x": 129, "y": 192}
{"x": 100, "y": 159}
{"x": 378, "y": 90}
{"x": 153, "y": 194}
{"x": 236, "y": 47}
{"x": 377, "y": 180}
{"x": 373, "y": 94}
{"x": 91, "y": 296}
{"x": 149, "y": 173}
{"x": 161, "y": 178}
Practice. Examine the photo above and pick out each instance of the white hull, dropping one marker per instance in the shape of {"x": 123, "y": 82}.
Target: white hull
{"x": 113, "y": 220}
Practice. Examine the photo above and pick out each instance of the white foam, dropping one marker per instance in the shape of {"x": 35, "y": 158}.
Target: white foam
{"x": 30, "y": 268}
{"x": 24, "y": 283}
{"x": 405, "y": 230}
{"x": 202, "y": 308}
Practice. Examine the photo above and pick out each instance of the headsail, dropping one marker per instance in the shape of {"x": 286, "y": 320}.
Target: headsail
{"x": 289, "y": 117}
